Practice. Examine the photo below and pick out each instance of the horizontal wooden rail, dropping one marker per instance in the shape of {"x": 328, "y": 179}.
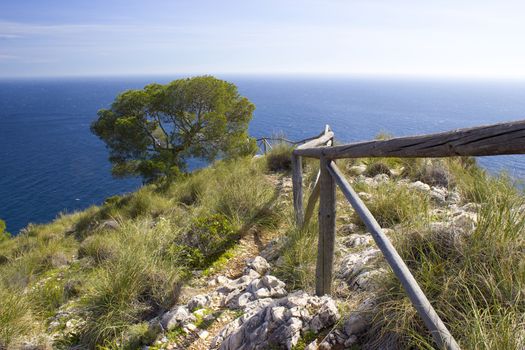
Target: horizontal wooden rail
{"x": 437, "y": 328}
{"x": 285, "y": 140}
{"x": 281, "y": 139}
{"x": 322, "y": 140}
{"x": 497, "y": 139}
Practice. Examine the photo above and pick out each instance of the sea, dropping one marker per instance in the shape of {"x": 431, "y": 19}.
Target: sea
{"x": 50, "y": 163}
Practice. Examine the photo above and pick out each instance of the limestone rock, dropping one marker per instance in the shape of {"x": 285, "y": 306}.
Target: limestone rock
{"x": 271, "y": 251}
{"x": 349, "y": 228}
{"x": 175, "y": 317}
{"x": 365, "y": 196}
{"x": 360, "y": 319}
{"x": 204, "y": 334}
{"x": 277, "y": 323}
{"x": 198, "y": 302}
{"x": 367, "y": 280}
{"x": 471, "y": 207}
{"x": 244, "y": 299}
{"x": 454, "y": 197}
{"x": 327, "y": 315}
{"x": 190, "y": 327}
{"x": 357, "y": 240}
{"x": 312, "y": 346}
{"x": 381, "y": 178}
{"x": 259, "y": 264}
{"x": 355, "y": 264}
{"x": 272, "y": 282}
{"x": 439, "y": 195}
{"x": 357, "y": 169}
{"x": 420, "y": 186}
{"x": 465, "y": 221}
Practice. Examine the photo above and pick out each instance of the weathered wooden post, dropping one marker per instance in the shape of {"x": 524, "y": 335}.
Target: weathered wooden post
{"x": 325, "y": 247}
{"x": 310, "y": 205}
{"x": 437, "y": 328}
{"x": 297, "y": 181}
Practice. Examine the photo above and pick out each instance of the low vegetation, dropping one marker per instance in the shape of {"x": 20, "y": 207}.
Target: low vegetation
{"x": 475, "y": 280}
{"x": 3, "y": 233}
{"x": 118, "y": 265}
{"x": 279, "y": 159}
{"x": 113, "y": 267}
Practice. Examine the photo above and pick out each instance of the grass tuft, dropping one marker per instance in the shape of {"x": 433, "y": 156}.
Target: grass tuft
{"x": 474, "y": 279}
{"x": 280, "y": 157}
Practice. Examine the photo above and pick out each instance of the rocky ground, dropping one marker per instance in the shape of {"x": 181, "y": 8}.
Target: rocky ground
{"x": 244, "y": 306}
{"x": 255, "y": 310}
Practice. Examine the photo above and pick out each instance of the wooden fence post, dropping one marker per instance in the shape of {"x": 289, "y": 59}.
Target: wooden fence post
{"x": 325, "y": 248}
{"x": 314, "y": 196}
{"x": 437, "y": 328}
{"x": 312, "y": 200}
{"x": 297, "y": 181}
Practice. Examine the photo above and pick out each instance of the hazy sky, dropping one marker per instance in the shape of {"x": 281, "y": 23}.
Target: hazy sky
{"x": 121, "y": 37}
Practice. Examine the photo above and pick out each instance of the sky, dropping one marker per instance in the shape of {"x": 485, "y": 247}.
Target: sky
{"x": 459, "y": 38}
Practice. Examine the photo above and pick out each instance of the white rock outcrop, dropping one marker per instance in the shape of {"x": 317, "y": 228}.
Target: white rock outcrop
{"x": 278, "y": 323}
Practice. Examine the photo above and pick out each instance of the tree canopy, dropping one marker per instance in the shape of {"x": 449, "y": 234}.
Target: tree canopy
{"x": 155, "y": 131}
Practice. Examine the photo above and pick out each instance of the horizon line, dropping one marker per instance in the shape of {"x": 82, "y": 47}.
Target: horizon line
{"x": 386, "y": 76}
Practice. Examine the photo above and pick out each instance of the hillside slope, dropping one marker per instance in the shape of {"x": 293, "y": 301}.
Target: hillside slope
{"x": 214, "y": 261}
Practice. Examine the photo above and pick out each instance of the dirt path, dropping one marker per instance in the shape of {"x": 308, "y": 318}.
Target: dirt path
{"x": 249, "y": 246}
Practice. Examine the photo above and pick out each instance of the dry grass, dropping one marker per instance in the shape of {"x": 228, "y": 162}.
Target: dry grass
{"x": 475, "y": 280}
{"x": 120, "y": 275}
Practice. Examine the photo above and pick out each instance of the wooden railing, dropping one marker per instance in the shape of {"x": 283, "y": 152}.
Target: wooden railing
{"x": 265, "y": 143}
{"x": 497, "y": 139}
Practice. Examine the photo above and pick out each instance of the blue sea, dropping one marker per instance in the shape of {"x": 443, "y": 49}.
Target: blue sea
{"x": 51, "y": 163}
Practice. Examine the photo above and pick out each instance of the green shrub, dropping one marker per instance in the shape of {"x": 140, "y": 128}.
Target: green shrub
{"x": 48, "y": 295}
{"x": 3, "y": 233}
{"x": 211, "y": 234}
{"x": 208, "y": 237}
{"x": 131, "y": 287}
{"x": 137, "y": 336}
{"x": 433, "y": 172}
{"x": 475, "y": 185}
{"x": 377, "y": 168}
{"x": 98, "y": 247}
{"x": 474, "y": 280}
{"x": 392, "y": 203}
{"x": 127, "y": 275}
{"x": 34, "y": 256}
{"x": 17, "y": 321}
{"x": 280, "y": 157}
{"x": 299, "y": 254}
{"x": 244, "y": 195}
{"x": 190, "y": 190}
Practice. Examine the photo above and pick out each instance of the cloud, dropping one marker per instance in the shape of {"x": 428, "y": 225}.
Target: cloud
{"x": 342, "y": 36}
{"x": 18, "y": 29}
